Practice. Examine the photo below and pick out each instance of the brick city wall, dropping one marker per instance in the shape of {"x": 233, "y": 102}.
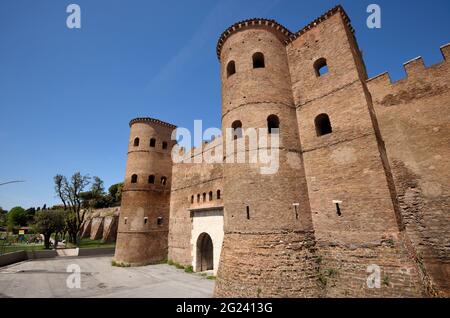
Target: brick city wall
{"x": 385, "y": 163}
{"x": 190, "y": 182}
{"x": 414, "y": 122}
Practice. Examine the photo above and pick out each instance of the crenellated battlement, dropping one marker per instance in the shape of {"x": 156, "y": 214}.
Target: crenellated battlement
{"x": 414, "y": 68}
{"x": 285, "y": 35}
{"x": 207, "y": 146}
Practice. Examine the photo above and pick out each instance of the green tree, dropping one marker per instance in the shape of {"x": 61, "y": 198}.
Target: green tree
{"x": 115, "y": 191}
{"x": 30, "y": 214}
{"x": 17, "y": 216}
{"x": 3, "y": 216}
{"x": 95, "y": 198}
{"x": 69, "y": 191}
{"x": 48, "y": 222}
{"x": 97, "y": 187}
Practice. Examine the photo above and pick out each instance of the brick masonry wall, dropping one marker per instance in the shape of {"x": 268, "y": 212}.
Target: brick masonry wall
{"x": 348, "y": 166}
{"x": 386, "y": 161}
{"x": 191, "y": 179}
{"x": 414, "y": 122}
{"x": 268, "y": 264}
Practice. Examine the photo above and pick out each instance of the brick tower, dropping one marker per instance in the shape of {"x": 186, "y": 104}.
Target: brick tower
{"x": 144, "y": 215}
{"x": 330, "y": 213}
{"x": 268, "y": 246}
{"x": 355, "y": 213}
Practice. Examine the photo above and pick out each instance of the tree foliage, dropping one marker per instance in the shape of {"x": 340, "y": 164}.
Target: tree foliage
{"x": 17, "y": 216}
{"x": 78, "y": 201}
{"x": 3, "y": 216}
{"x": 115, "y": 192}
{"x": 69, "y": 191}
{"x": 48, "y": 222}
{"x": 96, "y": 198}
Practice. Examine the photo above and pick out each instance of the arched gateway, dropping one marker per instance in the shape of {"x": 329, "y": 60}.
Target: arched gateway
{"x": 205, "y": 257}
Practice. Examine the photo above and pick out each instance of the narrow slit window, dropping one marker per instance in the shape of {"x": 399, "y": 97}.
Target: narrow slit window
{"x": 248, "y": 212}
{"x": 145, "y": 220}
{"x": 218, "y": 194}
{"x": 164, "y": 145}
{"x": 338, "y": 209}
{"x": 210, "y": 196}
{"x": 163, "y": 180}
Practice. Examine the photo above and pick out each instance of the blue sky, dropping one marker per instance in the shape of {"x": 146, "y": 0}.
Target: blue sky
{"x": 66, "y": 96}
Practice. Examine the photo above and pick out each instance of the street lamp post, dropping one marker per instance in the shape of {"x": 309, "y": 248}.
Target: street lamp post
{"x": 16, "y": 181}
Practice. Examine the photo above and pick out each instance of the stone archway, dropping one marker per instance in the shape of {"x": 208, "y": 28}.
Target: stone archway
{"x": 205, "y": 257}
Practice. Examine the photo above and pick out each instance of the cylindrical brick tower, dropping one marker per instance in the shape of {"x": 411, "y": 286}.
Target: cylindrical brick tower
{"x": 144, "y": 214}
{"x": 269, "y": 247}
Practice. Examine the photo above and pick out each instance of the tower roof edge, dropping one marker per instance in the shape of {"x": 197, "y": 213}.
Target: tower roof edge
{"x": 151, "y": 120}
{"x": 288, "y": 35}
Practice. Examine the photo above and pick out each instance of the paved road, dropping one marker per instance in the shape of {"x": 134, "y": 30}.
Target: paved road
{"x": 47, "y": 278}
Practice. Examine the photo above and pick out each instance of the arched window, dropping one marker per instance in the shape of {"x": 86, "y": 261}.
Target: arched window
{"x": 192, "y": 199}
{"x": 198, "y": 198}
{"x": 231, "y": 68}
{"x": 204, "y": 197}
{"x": 237, "y": 129}
{"x": 210, "y": 196}
{"x": 134, "y": 178}
{"x": 321, "y": 67}
{"x": 258, "y": 60}
{"x": 164, "y": 145}
{"x": 151, "y": 179}
{"x": 218, "y": 194}
{"x": 323, "y": 125}
{"x": 136, "y": 142}
{"x": 163, "y": 180}
{"x": 152, "y": 142}
{"x": 273, "y": 123}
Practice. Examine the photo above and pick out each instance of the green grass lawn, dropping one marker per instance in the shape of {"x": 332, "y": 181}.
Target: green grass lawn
{"x": 88, "y": 243}
{"x": 85, "y": 243}
{"x": 21, "y": 247}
